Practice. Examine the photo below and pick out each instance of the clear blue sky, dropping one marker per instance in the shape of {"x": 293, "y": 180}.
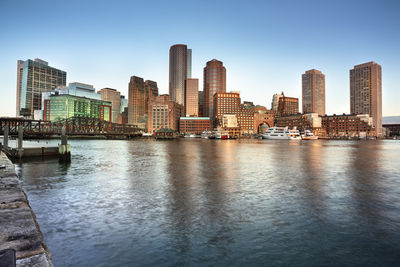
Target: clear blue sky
{"x": 265, "y": 45}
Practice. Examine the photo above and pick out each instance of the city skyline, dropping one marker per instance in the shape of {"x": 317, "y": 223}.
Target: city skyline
{"x": 272, "y": 65}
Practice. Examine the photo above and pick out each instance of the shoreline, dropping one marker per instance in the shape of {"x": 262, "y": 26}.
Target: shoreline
{"x": 19, "y": 228}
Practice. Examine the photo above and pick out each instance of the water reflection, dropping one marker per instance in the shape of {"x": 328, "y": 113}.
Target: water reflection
{"x": 205, "y": 202}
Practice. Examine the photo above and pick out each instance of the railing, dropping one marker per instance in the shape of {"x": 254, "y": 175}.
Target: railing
{"x": 74, "y": 126}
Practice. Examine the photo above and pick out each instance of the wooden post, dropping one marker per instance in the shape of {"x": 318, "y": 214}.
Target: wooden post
{"x": 20, "y": 150}
{"x": 5, "y": 139}
{"x": 64, "y": 149}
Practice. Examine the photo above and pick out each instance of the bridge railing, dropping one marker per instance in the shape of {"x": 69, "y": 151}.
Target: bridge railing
{"x": 73, "y": 125}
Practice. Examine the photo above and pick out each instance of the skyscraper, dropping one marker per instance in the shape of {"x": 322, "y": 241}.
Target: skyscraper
{"x": 192, "y": 98}
{"x": 33, "y": 78}
{"x": 140, "y": 94}
{"x": 179, "y": 71}
{"x": 114, "y": 96}
{"x": 214, "y": 82}
{"x": 366, "y": 92}
{"x": 136, "y": 100}
{"x": 313, "y": 84}
{"x": 275, "y": 101}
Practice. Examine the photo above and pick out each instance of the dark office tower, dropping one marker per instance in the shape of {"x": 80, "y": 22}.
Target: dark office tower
{"x": 214, "y": 82}
{"x": 192, "y": 98}
{"x": 178, "y": 72}
{"x": 136, "y": 100}
{"x": 366, "y": 92}
{"x": 151, "y": 92}
{"x": 33, "y": 78}
{"x": 201, "y": 101}
{"x": 313, "y": 84}
{"x": 189, "y": 64}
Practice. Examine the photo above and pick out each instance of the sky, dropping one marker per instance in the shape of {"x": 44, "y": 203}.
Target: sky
{"x": 265, "y": 45}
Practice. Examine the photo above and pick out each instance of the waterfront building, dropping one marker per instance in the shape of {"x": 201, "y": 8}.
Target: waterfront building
{"x": 78, "y": 89}
{"x": 288, "y": 105}
{"x": 366, "y": 92}
{"x": 214, "y": 82}
{"x": 164, "y": 113}
{"x": 192, "y": 98}
{"x": 201, "y": 101}
{"x": 141, "y": 93}
{"x": 313, "y": 92}
{"x": 33, "y": 78}
{"x": 114, "y": 96}
{"x": 63, "y": 106}
{"x": 229, "y": 121}
{"x": 194, "y": 125}
{"x": 309, "y": 121}
{"x": 179, "y": 71}
{"x": 275, "y": 101}
{"x": 348, "y": 125}
{"x": 249, "y": 118}
{"x": 392, "y": 128}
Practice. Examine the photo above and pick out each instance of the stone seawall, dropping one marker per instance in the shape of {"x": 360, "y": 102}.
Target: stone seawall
{"x": 18, "y": 226}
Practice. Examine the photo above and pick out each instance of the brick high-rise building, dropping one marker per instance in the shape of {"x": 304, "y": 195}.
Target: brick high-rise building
{"x": 35, "y": 77}
{"x": 180, "y": 60}
{"x": 313, "y": 92}
{"x": 366, "y": 92}
{"x": 151, "y": 92}
{"x": 141, "y": 93}
{"x": 192, "y": 98}
{"x": 214, "y": 82}
{"x": 114, "y": 96}
{"x": 288, "y": 105}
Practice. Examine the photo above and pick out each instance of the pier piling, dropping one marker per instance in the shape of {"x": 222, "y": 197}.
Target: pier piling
{"x": 64, "y": 149}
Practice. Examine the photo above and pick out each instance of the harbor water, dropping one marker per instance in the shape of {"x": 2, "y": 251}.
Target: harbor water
{"x": 219, "y": 203}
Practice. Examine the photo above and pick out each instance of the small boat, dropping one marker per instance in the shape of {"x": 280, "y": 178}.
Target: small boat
{"x": 190, "y": 136}
{"x": 206, "y": 134}
{"x": 308, "y": 135}
{"x": 282, "y": 133}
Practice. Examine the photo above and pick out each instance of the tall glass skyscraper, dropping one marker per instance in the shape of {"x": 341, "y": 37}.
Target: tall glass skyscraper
{"x": 180, "y": 68}
{"x": 33, "y": 78}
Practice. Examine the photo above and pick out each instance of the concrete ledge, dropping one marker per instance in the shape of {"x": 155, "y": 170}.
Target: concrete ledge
{"x": 18, "y": 226}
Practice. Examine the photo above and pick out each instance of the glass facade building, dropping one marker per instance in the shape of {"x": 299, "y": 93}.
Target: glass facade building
{"x": 60, "y": 107}
{"x": 214, "y": 82}
{"x": 35, "y": 77}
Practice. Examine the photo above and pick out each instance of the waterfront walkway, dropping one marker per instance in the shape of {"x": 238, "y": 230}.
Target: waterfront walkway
{"x": 19, "y": 229}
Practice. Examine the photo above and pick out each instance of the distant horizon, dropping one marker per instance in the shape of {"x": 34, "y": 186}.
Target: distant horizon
{"x": 265, "y": 52}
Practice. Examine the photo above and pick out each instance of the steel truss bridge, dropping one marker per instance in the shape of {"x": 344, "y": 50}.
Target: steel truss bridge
{"x": 81, "y": 126}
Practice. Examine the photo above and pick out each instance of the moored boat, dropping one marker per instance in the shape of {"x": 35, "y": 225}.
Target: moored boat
{"x": 308, "y": 135}
{"x": 282, "y": 133}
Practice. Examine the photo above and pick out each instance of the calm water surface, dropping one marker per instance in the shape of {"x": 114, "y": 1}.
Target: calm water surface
{"x": 220, "y": 203}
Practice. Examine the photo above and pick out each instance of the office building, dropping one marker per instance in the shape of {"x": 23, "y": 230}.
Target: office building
{"x": 60, "y": 107}
{"x": 164, "y": 113}
{"x": 192, "y": 98}
{"x": 179, "y": 58}
{"x": 313, "y": 92}
{"x": 141, "y": 93}
{"x": 366, "y": 92}
{"x": 348, "y": 125}
{"x": 114, "y": 96}
{"x": 201, "y": 101}
{"x": 275, "y": 101}
{"x": 214, "y": 82}
{"x": 33, "y": 78}
{"x": 288, "y": 105}
{"x": 194, "y": 125}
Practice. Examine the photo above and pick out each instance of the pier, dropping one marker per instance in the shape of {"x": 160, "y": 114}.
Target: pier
{"x": 19, "y": 230}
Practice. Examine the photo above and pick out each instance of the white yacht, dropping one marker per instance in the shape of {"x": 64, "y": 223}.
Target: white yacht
{"x": 282, "y": 133}
{"x": 206, "y": 134}
{"x": 308, "y": 135}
